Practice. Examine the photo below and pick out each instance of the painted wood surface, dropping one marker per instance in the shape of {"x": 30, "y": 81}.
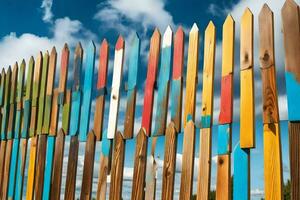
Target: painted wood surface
{"x": 272, "y": 144}
{"x": 163, "y": 83}
{"x": 150, "y": 81}
{"x": 63, "y": 74}
{"x": 188, "y": 152}
{"x": 20, "y": 169}
{"x": 192, "y": 74}
{"x": 241, "y": 178}
{"x": 133, "y": 69}
{"x": 223, "y": 191}
{"x": 49, "y": 91}
{"x": 101, "y": 89}
{"x": 139, "y": 171}
{"x": 87, "y": 92}
{"x": 2, "y": 162}
{"x": 31, "y": 168}
{"x": 117, "y": 168}
{"x": 115, "y": 88}
{"x": 57, "y": 165}
{"x": 87, "y": 176}
{"x": 76, "y": 91}
{"x": 54, "y": 113}
{"x": 247, "y": 113}
{"x": 6, "y": 169}
{"x": 65, "y": 121}
{"x": 35, "y": 94}
{"x": 224, "y": 139}
{"x": 5, "y": 111}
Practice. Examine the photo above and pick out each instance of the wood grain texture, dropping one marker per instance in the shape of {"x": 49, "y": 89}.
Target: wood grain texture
{"x": 87, "y": 92}
{"x": 169, "y": 166}
{"x": 2, "y": 87}
{"x": 272, "y": 162}
{"x": 150, "y": 81}
{"x": 31, "y": 168}
{"x": 88, "y": 168}
{"x": 131, "y": 88}
{"x": 63, "y": 70}
{"x": 188, "y": 152}
{"x": 104, "y": 170}
{"x": 54, "y": 114}
{"x": 57, "y": 165}
{"x": 223, "y": 191}
{"x": 2, "y": 162}
{"x": 117, "y": 168}
{"x": 101, "y": 85}
{"x": 140, "y": 162}
{"x": 163, "y": 84}
{"x": 5, "y": 108}
{"x": 21, "y": 169}
{"x": 72, "y": 168}
{"x": 40, "y": 166}
{"x": 294, "y": 139}
{"x": 241, "y": 178}
{"x": 115, "y": 88}
{"x": 12, "y": 103}
{"x": 35, "y": 94}
{"x": 247, "y": 113}
{"x": 204, "y": 173}
{"x": 8, "y": 151}
{"x": 192, "y": 74}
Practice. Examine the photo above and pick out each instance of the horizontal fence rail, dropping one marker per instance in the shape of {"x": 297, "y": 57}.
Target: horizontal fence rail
{"x": 39, "y": 119}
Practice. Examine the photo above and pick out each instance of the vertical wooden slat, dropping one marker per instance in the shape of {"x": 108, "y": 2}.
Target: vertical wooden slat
{"x": 24, "y": 131}
{"x": 74, "y": 124}
{"x": 291, "y": 33}
{"x": 223, "y": 189}
{"x": 118, "y": 154}
{"x": 188, "y": 149}
{"x": 175, "y": 125}
{"x": 142, "y": 140}
{"x": 247, "y": 114}
{"x": 272, "y": 144}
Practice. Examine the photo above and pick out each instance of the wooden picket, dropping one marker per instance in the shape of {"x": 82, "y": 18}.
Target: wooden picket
{"x": 31, "y": 109}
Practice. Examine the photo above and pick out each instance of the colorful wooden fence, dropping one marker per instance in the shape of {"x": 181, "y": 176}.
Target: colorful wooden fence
{"x": 31, "y": 108}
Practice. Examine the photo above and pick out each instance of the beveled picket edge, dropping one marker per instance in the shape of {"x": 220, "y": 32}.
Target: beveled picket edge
{"x": 142, "y": 140}
{"x": 87, "y": 92}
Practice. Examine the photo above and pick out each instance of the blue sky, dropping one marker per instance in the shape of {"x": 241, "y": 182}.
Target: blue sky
{"x": 30, "y": 26}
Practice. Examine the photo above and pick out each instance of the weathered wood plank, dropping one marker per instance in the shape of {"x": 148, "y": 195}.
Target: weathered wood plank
{"x": 101, "y": 89}
{"x": 2, "y": 161}
{"x": 63, "y": 74}
{"x": 117, "y": 168}
{"x": 140, "y": 159}
{"x": 223, "y": 191}
{"x": 103, "y": 173}
{"x": 8, "y": 152}
{"x": 247, "y": 112}
{"x": 169, "y": 167}
{"x": 87, "y": 93}
{"x": 57, "y": 165}
{"x": 131, "y": 88}
{"x": 241, "y": 178}
{"x": 272, "y": 145}
{"x": 192, "y": 74}
{"x": 115, "y": 88}
{"x": 188, "y": 152}
{"x": 5, "y": 109}
{"x": 88, "y": 169}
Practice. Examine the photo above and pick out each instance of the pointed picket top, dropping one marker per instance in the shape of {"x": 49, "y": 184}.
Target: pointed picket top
{"x": 178, "y": 57}
{"x": 246, "y": 49}
{"x": 21, "y": 81}
{"x": 87, "y": 92}
{"x": 77, "y": 67}
{"x": 63, "y": 69}
{"x": 7, "y": 86}
{"x": 51, "y": 72}
{"x": 13, "y": 83}
{"x": 133, "y": 62}
{"x": 43, "y": 83}
{"x": 2, "y": 86}
{"x": 156, "y": 35}
{"x": 288, "y": 6}
{"x": 103, "y": 64}
{"x": 247, "y": 14}
{"x": 265, "y": 11}
{"x": 228, "y": 46}
{"x": 120, "y": 43}
{"x": 167, "y": 38}
{"x": 210, "y": 27}
{"x": 29, "y": 79}
{"x": 192, "y": 72}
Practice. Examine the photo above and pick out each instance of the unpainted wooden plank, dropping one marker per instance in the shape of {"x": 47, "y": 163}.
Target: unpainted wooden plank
{"x": 6, "y": 169}
{"x": 188, "y": 152}
{"x": 169, "y": 166}
{"x": 63, "y": 74}
{"x": 2, "y": 161}
{"x": 101, "y": 88}
{"x": 54, "y": 114}
{"x": 150, "y": 81}
{"x": 247, "y": 114}
{"x": 115, "y": 88}
{"x": 117, "y": 168}
{"x": 223, "y": 191}
{"x": 192, "y": 74}
{"x": 88, "y": 168}
{"x": 57, "y": 165}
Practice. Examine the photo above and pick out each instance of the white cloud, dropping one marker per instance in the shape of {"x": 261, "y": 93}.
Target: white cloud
{"x": 14, "y": 48}
{"x": 47, "y": 6}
